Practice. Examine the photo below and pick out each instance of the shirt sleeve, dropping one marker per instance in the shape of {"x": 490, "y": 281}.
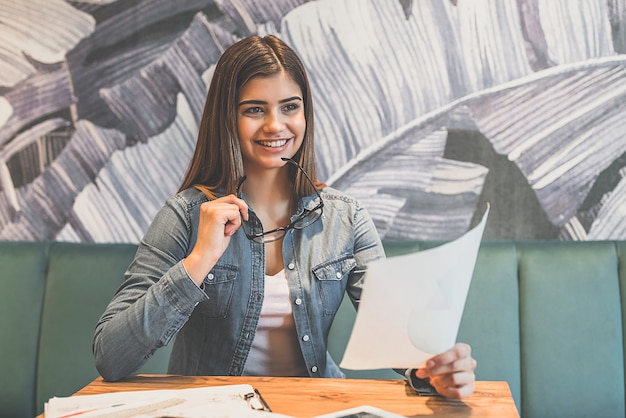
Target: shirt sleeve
{"x": 154, "y": 301}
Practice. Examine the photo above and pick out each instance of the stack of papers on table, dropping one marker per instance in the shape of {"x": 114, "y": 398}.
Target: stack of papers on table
{"x": 364, "y": 411}
{"x": 216, "y": 401}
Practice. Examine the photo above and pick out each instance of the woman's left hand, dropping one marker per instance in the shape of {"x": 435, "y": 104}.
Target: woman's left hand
{"x": 452, "y": 372}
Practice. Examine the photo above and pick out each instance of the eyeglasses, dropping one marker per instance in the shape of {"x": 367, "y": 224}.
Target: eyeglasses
{"x": 254, "y": 229}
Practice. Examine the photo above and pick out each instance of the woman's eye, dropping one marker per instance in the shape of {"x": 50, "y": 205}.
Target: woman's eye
{"x": 253, "y": 110}
{"x": 290, "y": 107}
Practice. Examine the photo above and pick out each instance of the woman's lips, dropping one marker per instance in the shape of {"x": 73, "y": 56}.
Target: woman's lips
{"x": 272, "y": 143}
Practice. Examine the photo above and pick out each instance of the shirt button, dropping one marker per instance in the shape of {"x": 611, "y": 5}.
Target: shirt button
{"x": 298, "y": 301}
{"x": 314, "y": 369}
{"x": 291, "y": 266}
{"x": 210, "y": 276}
{"x": 338, "y": 275}
{"x": 305, "y": 338}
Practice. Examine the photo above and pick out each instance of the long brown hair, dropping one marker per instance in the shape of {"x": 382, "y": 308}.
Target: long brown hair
{"x": 217, "y": 164}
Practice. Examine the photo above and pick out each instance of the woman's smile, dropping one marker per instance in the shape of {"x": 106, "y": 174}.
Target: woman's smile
{"x": 272, "y": 143}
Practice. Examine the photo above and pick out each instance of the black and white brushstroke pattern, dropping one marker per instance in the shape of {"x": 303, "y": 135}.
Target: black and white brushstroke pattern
{"x": 425, "y": 110}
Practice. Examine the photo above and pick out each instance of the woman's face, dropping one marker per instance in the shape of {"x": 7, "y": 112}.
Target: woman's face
{"x": 270, "y": 120}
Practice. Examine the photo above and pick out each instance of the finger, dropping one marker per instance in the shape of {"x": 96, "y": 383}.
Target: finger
{"x": 467, "y": 364}
{"x": 433, "y": 369}
{"x": 233, "y": 224}
{"x": 227, "y": 209}
{"x": 459, "y": 351}
{"x": 454, "y": 379}
{"x": 456, "y": 359}
{"x": 240, "y": 203}
{"x": 455, "y": 391}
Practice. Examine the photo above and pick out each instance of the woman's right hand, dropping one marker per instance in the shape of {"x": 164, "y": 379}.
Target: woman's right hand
{"x": 219, "y": 220}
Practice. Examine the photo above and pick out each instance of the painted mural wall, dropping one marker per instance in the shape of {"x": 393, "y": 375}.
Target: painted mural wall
{"x": 425, "y": 110}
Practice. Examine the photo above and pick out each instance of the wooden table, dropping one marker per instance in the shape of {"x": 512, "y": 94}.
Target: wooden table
{"x": 305, "y": 397}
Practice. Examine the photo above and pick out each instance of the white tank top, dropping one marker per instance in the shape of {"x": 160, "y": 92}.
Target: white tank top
{"x": 275, "y": 349}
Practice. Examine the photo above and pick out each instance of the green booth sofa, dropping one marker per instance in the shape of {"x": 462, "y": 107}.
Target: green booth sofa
{"x": 545, "y": 316}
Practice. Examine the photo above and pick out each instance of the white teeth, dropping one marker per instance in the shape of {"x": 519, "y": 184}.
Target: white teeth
{"x": 273, "y": 144}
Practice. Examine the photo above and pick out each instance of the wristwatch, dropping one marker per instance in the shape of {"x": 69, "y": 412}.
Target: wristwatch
{"x": 421, "y": 386}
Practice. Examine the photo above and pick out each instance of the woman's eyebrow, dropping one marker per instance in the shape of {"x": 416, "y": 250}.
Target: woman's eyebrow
{"x": 249, "y": 102}
{"x": 291, "y": 99}
{"x": 262, "y": 102}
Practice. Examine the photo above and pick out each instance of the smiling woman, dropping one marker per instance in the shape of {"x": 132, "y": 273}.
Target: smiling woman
{"x": 249, "y": 275}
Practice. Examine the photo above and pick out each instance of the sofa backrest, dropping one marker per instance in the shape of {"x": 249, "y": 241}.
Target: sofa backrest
{"x": 571, "y": 328}
{"x": 23, "y": 271}
{"x": 54, "y": 296}
{"x": 81, "y": 280}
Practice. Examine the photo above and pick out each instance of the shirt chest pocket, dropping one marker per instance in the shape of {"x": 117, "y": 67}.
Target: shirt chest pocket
{"x": 330, "y": 282}
{"x": 219, "y": 286}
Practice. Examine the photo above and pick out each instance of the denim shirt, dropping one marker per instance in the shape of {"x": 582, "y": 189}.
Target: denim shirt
{"x": 215, "y": 323}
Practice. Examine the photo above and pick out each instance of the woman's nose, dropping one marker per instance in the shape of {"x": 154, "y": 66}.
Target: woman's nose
{"x": 274, "y": 122}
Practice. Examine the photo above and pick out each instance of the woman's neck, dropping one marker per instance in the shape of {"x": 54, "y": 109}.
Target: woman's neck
{"x": 270, "y": 195}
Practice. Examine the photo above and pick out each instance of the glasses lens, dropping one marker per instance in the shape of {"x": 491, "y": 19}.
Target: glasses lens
{"x": 307, "y": 218}
{"x": 252, "y": 227}
{"x": 254, "y": 230}
{"x": 270, "y": 236}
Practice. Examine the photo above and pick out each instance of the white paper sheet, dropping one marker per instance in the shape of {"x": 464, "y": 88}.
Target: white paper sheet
{"x": 411, "y": 305}
{"x": 203, "y": 402}
{"x": 364, "y": 411}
